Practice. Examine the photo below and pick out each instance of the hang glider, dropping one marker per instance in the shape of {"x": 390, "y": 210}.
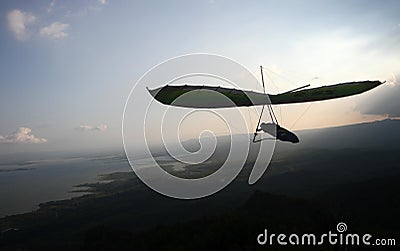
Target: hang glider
{"x": 208, "y": 96}
{"x": 192, "y": 96}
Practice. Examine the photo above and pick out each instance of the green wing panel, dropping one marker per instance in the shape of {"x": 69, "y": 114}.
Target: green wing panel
{"x": 207, "y": 96}
{"x": 324, "y": 92}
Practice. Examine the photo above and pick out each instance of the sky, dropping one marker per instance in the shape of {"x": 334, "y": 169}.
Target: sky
{"x": 67, "y": 67}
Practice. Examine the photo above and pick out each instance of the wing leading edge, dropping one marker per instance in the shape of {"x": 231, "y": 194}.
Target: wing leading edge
{"x": 221, "y": 97}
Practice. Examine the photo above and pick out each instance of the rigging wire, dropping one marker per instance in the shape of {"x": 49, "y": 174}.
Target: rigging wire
{"x": 272, "y": 114}
{"x": 262, "y": 109}
{"x": 270, "y": 109}
{"x": 259, "y": 119}
{"x": 281, "y": 76}
{"x": 304, "y": 112}
{"x": 309, "y": 106}
{"x": 293, "y": 83}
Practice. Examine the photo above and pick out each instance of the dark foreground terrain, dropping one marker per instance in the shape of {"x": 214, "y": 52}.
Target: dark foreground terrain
{"x": 308, "y": 189}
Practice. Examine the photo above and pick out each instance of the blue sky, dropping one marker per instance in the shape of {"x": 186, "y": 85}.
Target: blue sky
{"x": 67, "y": 67}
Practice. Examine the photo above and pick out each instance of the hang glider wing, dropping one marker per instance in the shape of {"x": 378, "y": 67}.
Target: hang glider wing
{"x": 221, "y": 97}
{"x": 207, "y": 96}
{"x": 324, "y": 92}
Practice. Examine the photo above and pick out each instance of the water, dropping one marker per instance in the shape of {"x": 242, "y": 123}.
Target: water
{"x": 25, "y": 182}
{"x": 23, "y": 186}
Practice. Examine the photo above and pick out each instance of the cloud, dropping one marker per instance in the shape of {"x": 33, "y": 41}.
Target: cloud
{"x": 22, "y": 135}
{"x": 18, "y": 22}
{"x": 102, "y": 1}
{"x": 385, "y": 101}
{"x": 55, "y": 30}
{"x": 101, "y": 127}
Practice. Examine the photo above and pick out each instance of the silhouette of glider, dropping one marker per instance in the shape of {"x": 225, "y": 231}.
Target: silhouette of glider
{"x": 221, "y": 97}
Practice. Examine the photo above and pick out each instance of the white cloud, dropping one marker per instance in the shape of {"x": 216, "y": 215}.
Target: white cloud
{"x": 101, "y": 127}
{"x": 102, "y": 1}
{"x": 55, "y": 30}
{"x": 18, "y": 22}
{"x": 22, "y": 135}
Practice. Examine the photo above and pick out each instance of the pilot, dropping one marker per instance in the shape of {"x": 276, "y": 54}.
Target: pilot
{"x": 278, "y": 132}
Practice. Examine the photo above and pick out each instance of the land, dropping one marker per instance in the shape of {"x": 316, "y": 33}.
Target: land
{"x": 347, "y": 174}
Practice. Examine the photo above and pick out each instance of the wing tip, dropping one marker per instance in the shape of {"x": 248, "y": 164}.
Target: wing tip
{"x": 153, "y": 92}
